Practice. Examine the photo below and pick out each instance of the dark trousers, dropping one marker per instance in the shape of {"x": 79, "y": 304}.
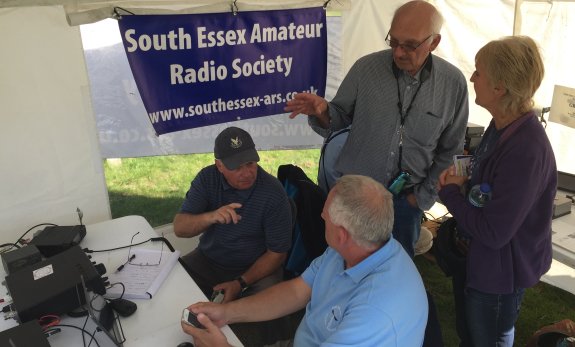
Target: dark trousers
{"x": 207, "y": 274}
{"x": 406, "y": 223}
{"x": 491, "y": 318}
{"x": 433, "y": 336}
{"x": 458, "y": 282}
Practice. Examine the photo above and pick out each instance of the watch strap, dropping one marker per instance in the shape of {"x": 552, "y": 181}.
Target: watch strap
{"x": 242, "y": 282}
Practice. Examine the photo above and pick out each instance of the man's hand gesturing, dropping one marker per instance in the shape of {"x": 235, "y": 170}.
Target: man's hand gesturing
{"x": 227, "y": 214}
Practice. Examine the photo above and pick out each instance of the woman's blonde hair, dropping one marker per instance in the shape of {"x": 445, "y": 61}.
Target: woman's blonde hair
{"x": 514, "y": 63}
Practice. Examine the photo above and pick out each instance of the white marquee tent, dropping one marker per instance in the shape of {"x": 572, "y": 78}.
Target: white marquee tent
{"x": 49, "y": 153}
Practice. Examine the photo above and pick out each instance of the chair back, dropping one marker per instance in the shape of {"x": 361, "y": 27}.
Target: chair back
{"x": 308, "y": 239}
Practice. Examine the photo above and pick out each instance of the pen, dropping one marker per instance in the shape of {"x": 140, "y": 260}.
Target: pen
{"x": 121, "y": 267}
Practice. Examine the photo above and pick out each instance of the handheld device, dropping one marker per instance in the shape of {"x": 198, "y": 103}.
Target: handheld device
{"x": 191, "y": 318}
{"x": 397, "y": 185}
{"x": 217, "y": 296}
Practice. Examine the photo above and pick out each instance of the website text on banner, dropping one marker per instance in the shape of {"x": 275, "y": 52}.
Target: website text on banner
{"x": 204, "y": 69}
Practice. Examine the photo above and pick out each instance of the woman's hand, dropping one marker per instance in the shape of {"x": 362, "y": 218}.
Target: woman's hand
{"x": 448, "y": 177}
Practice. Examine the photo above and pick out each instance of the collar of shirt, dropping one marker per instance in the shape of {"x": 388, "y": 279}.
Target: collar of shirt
{"x": 408, "y": 79}
{"x": 376, "y": 259}
{"x": 242, "y": 193}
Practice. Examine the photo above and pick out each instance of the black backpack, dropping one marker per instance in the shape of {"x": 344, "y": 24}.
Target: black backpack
{"x": 308, "y": 238}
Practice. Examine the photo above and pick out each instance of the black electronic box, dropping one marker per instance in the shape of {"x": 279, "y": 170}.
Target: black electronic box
{"x": 54, "y": 286}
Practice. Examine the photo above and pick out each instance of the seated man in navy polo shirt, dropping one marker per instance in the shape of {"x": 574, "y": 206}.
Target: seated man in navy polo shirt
{"x": 243, "y": 216}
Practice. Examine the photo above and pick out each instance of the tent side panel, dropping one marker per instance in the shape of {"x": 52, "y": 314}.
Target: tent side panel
{"x": 49, "y": 154}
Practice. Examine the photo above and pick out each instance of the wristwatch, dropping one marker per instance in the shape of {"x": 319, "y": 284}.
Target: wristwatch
{"x": 243, "y": 283}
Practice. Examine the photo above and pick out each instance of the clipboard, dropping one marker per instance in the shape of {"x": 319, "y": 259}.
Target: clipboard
{"x": 142, "y": 278}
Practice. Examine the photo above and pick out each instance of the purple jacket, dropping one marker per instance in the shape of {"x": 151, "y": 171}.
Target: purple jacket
{"x": 511, "y": 235}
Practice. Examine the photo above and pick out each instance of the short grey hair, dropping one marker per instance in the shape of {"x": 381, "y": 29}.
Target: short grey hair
{"x": 364, "y": 208}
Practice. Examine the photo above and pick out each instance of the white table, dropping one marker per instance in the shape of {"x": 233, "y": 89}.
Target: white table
{"x": 562, "y": 272}
{"x": 156, "y": 321}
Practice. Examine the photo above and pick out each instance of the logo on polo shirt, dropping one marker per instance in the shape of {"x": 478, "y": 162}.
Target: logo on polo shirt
{"x": 236, "y": 143}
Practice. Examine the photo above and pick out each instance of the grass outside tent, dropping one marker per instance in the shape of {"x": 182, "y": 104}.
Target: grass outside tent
{"x": 154, "y": 187}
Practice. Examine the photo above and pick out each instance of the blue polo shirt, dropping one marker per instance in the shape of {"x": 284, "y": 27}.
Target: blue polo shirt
{"x": 379, "y": 302}
{"x": 265, "y": 224}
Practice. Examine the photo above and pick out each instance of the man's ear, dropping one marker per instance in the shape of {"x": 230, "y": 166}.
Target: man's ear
{"x": 342, "y": 235}
{"x": 435, "y": 42}
{"x": 219, "y": 164}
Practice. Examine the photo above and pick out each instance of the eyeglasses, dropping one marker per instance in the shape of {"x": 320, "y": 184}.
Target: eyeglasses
{"x": 138, "y": 262}
{"x": 408, "y": 47}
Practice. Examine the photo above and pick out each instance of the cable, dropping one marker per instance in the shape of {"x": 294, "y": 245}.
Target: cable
{"x": 12, "y": 245}
{"x": 80, "y": 214}
{"x": 431, "y": 217}
{"x": 87, "y": 250}
{"x": 153, "y": 239}
{"x": 48, "y": 321}
{"x": 165, "y": 241}
{"x": 84, "y": 327}
{"x": 27, "y": 231}
{"x": 81, "y": 329}
{"x": 121, "y": 284}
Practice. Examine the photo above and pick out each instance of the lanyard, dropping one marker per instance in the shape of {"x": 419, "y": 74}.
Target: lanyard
{"x": 403, "y": 118}
{"x": 424, "y": 75}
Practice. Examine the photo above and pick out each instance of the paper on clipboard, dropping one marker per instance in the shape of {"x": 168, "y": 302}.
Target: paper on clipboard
{"x": 143, "y": 281}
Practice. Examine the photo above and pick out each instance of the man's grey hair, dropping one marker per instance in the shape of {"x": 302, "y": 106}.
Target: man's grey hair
{"x": 364, "y": 208}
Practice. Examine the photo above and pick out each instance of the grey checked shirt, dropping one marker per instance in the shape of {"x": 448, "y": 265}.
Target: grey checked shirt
{"x": 434, "y": 128}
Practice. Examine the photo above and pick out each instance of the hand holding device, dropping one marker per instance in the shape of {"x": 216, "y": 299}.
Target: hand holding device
{"x": 210, "y": 334}
{"x": 191, "y": 318}
{"x": 462, "y": 165}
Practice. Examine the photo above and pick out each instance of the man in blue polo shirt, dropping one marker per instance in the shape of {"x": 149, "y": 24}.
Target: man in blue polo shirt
{"x": 243, "y": 216}
{"x": 363, "y": 291}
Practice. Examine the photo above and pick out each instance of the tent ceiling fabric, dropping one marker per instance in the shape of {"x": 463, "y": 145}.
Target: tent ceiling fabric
{"x": 89, "y": 11}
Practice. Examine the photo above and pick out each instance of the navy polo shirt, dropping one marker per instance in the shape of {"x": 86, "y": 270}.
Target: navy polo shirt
{"x": 265, "y": 223}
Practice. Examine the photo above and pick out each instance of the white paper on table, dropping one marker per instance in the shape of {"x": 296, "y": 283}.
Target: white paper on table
{"x": 143, "y": 281}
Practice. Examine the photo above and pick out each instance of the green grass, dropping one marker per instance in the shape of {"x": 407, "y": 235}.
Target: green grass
{"x": 542, "y": 305}
{"x": 154, "y": 187}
